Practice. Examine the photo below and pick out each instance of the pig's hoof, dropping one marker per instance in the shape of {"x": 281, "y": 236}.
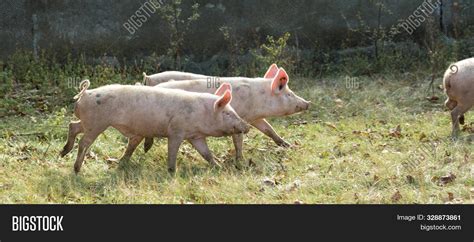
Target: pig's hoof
{"x": 239, "y": 159}
{"x": 238, "y": 163}
{"x": 454, "y": 137}
{"x": 64, "y": 152}
{"x": 284, "y": 144}
{"x": 77, "y": 170}
{"x": 172, "y": 171}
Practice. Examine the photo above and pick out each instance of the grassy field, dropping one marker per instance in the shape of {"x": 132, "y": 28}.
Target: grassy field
{"x": 365, "y": 140}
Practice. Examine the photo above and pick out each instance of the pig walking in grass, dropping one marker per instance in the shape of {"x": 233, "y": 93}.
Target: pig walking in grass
{"x": 255, "y": 99}
{"x": 139, "y": 112}
{"x": 459, "y": 86}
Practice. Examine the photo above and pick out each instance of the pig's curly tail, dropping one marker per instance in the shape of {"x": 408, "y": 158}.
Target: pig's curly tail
{"x": 83, "y": 86}
{"x": 454, "y": 69}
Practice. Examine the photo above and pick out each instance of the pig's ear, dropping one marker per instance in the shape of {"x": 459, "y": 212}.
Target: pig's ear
{"x": 279, "y": 81}
{"x": 223, "y": 100}
{"x": 272, "y": 71}
{"x": 224, "y": 87}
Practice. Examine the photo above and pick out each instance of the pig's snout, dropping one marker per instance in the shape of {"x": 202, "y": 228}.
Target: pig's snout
{"x": 303, "y": 106}
{"x": 242, "y": 128}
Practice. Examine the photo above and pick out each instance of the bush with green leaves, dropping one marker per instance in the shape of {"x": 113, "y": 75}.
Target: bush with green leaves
{"x": 178, "y": 25}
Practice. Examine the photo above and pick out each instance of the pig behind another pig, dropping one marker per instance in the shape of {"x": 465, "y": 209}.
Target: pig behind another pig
{"x": 255, "y": 99}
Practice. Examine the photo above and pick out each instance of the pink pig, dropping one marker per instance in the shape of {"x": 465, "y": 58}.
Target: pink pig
{"x": 255, "y": 99}
{"x": 458, "y": 84}
{"x": 139, "y": 112}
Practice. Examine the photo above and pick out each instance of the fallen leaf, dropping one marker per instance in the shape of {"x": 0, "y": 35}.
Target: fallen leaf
{"x": 444, "y": 180}
{"x": 362, "y": 133}
{"x": 112, "y": 160}
{"x": 212, "y": 182}
{"x": 432, "y": 99}
{"x": 450, "y": 196}
{"x": 448, "y": 179}
{"x": 469, "y": 128}
{"x": 91, "y": 155}
{"x": 396, "y": 197}
{"x": 293, "y": 186}
{"x": 331, "y": 125}
{"x": 311, "y": 168}
{"x": 251, "y": 163}
{"x": 422, "y": 136}
{"x": 411, "y": 179}
{"x": 396, "y": 132}
{"x": 269, "y": 182}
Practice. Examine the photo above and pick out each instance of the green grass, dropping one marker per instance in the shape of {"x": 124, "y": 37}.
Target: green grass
{"x": 345, "y": 150}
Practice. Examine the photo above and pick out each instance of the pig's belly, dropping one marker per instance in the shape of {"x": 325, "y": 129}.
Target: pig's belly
{"x": 146, "y": 128}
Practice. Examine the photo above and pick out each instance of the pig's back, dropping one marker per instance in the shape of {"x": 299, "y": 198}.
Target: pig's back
{"x": 144, "y": 110}
{"x": 167, "y": 76}
{"x": 198, "y": 85}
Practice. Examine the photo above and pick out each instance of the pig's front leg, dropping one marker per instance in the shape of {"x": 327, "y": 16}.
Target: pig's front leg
{"x": 174, "y": 142}
{"x": 268, "y": 130}
{"x": 238, "y": 140}
{"x": 201, "y": 146}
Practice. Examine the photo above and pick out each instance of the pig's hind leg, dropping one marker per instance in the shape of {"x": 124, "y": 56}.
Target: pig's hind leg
{"x": 75, "y": 128}
{"x": 133, "y": 142}
{"x": 90, "y": 135}
{"x": 457, "y": 115}
{"x": 451, "y": 104}
{"x": 268, "y": 130}
{"x": 201, "y": 146}
{"x": 148, "y": 144}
